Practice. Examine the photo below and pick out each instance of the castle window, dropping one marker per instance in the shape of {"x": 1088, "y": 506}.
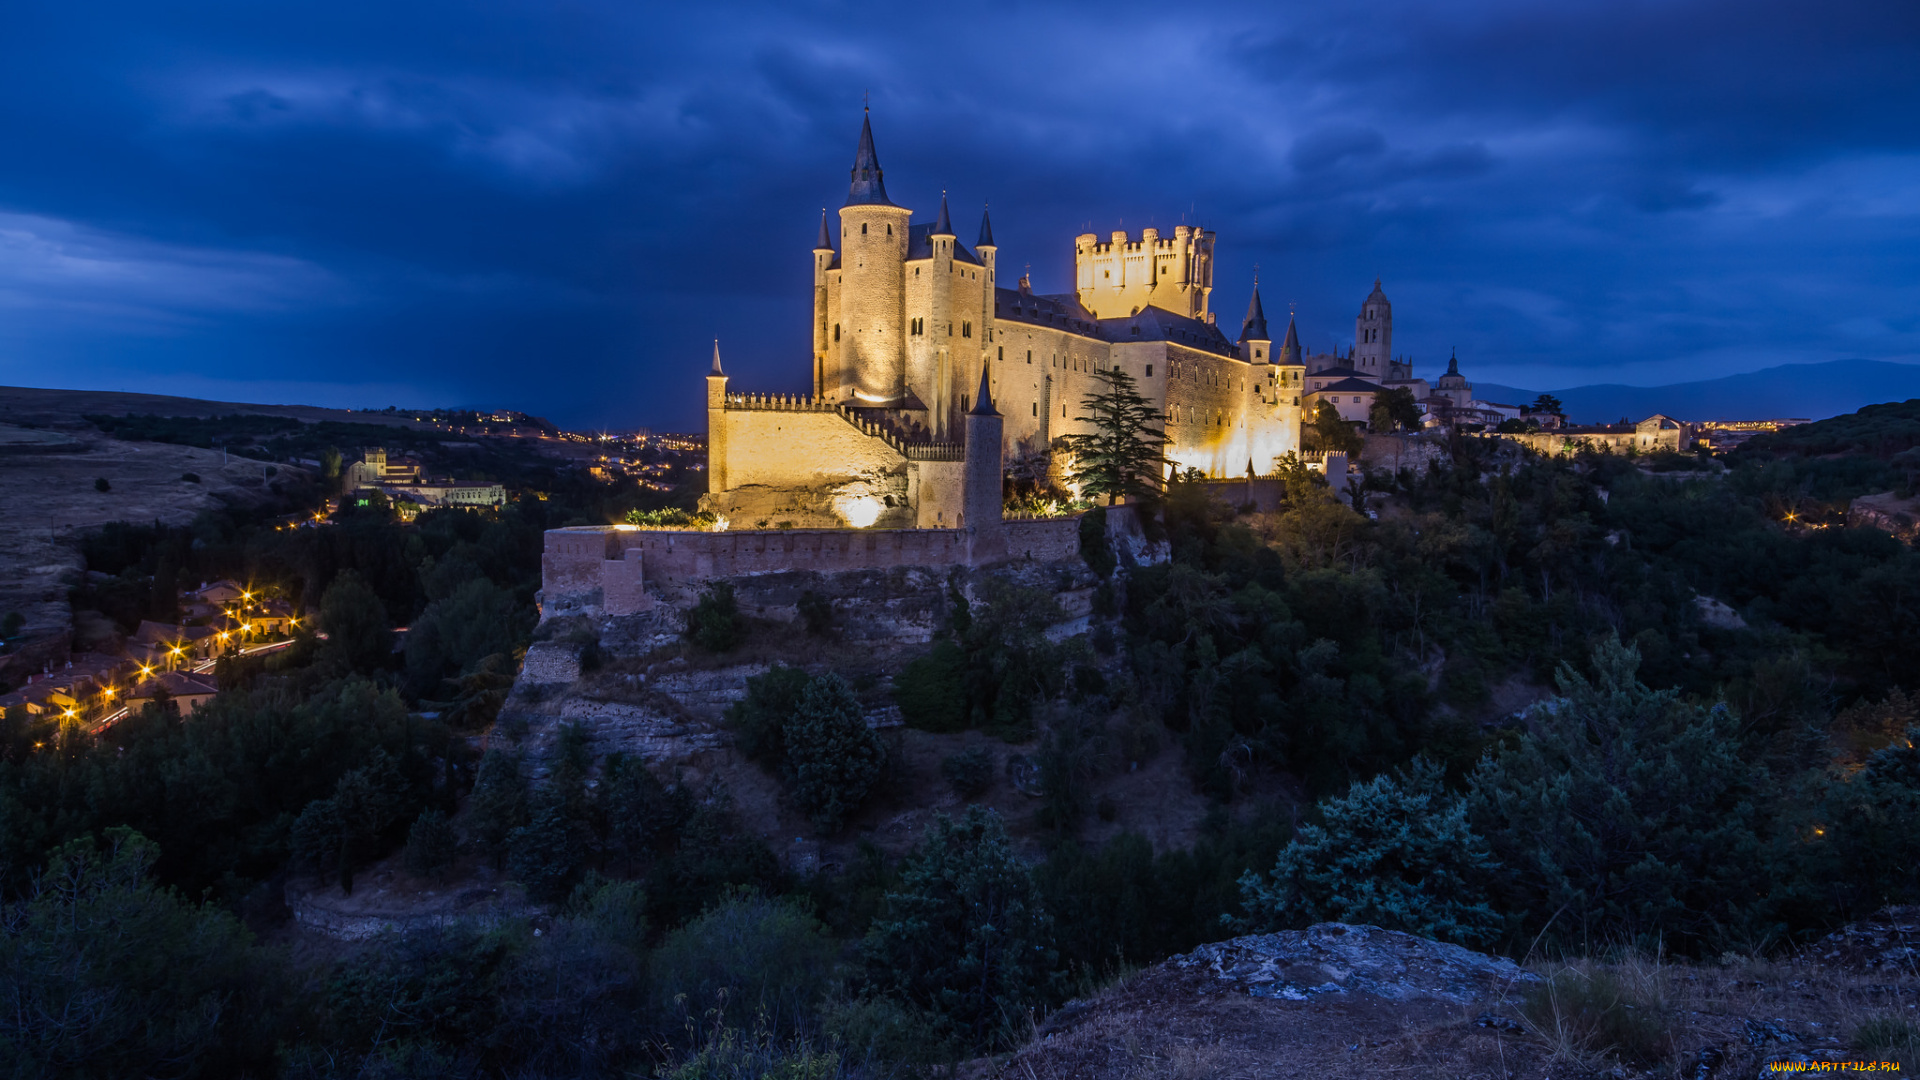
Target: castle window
{"x": 1036, "y": 408}
{"x": 1001, "y": 353}
{"x": 1149, "y": 371}
{"x": 1030, "y": 360}
{"x": 863, "y": 228}
{"x": 836, "y": 331}
{"x": 889, "y": 230}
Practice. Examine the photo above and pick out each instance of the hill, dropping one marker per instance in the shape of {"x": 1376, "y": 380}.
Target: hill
{"x": 33, "y": 406}
{"x": 1813, "y": 391}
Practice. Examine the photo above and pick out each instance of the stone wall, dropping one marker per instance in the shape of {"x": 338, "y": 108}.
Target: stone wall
{"x": 610, "y": 570}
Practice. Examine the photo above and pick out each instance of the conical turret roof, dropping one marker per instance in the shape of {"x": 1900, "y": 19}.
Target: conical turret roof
{"x": 944, "y": 225}
{"x": 986, "y": 231}
{"x": 867, "y": 188}
{"x": 983, "y": 401}
{"x": 1453, "y": 363}
{"x": 1290, "y": 348}
{"x": 716, "y": 358}
{"x": 1255, "y": 328}
{"x": 825, "y": 243}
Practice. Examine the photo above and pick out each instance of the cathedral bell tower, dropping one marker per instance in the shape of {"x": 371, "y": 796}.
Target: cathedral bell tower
{"x": 1373, "y": 335}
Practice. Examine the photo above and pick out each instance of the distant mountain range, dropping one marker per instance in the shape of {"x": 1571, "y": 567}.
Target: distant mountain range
{"x": 1813, "y": 391}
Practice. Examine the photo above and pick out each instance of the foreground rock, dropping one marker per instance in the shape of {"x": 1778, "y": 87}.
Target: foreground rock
{"x": 1338, "y": 959}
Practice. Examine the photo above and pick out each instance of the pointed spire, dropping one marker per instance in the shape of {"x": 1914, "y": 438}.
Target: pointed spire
{"x": 944, "y": 226}
{"x": 986, "y": 230}
{"x": 1290, "y": 348}
{"x": 983, "y": 401}
{"x": 1453, "y": 363}
{"x": 867, "y": 187}
{"x": 825, "y": 243}
{"x": 716, "y": 359}
{"x": 1255, "y": 328}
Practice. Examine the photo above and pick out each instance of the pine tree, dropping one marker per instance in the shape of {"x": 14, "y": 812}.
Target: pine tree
{"x": 430, "y": 843}
{"x": 832, "y": 758}
{"x": 498, "y": 805}
{"x": 1121, "y": 457}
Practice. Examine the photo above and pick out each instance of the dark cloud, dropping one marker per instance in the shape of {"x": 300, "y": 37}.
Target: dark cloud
{"x": 557, "y": 206}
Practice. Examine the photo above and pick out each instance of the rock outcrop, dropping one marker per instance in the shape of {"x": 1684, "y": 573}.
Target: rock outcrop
{"x": 1340, "y": 959}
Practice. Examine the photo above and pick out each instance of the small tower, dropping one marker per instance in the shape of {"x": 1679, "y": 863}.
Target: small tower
{"x": 1373, "y": 335}
{"x": 822, "y": 339}
{"x": 1255, "y": 342}
{"x": 981, "y": 497}
{"x": 716, "y": 425}
{"x": 987, "y": 250}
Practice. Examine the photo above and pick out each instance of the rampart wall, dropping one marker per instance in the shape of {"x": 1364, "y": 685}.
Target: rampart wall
{"x": 608, "y": 570}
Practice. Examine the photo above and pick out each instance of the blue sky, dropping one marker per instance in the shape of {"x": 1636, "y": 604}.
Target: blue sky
{"x": 555, "y": 206}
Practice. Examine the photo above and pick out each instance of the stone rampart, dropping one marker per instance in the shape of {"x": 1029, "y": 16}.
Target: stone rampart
{"x": 610, "y": 570}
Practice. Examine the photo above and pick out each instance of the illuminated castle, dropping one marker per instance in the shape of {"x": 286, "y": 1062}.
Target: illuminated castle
{"x": 911, "y": 327}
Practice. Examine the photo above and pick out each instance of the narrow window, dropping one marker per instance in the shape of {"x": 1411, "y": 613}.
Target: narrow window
{"x": 889, "y": 230}
{"x": 1036, "y": 408}
{"x": 1030, "y": 360}
{"x": 1000, "y": 351}
{"x": 1149, "y": 371}
{"x": 863, "y": 228}
{"x": 836, "y": 331}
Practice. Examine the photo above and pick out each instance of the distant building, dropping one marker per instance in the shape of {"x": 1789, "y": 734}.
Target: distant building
{"x": 404, "y": 482}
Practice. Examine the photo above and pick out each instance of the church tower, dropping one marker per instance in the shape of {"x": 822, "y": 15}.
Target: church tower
{"x": 873, "y": 253}
{"x": 1373, "y": 335}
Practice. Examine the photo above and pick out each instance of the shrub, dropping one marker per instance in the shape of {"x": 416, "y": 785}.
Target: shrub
{"x": 1586, "y": 1012}
{"x": 456, "y": 633}
{"x": 190, "y": 477}
{"x": 929, "y": 693}
{"x": 102, "y": 485}
{"x": 964, "y": 936}
{"x": 760, "y": 719}
{"x": 1392, "y": 852}
{"x": 746, "y": 955}
{"x": 359, "y": 637}
{"x": 833, "y": 760}
{"x": 817, "y": 612}
{"x": 1095, "y": 548}
{"x": 498, "y": 804}
{"x": 715, "y": 623}
{"x": 969, "y": 771}
{"x": 546, "y": 854}
{"x": 1886, "y": 1037}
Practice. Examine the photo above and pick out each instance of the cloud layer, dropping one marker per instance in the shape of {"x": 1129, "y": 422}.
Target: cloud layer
{"x": 556, "y": 206}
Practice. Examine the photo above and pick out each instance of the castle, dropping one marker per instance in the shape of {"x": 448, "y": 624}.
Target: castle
{"x": 912, "y": 329}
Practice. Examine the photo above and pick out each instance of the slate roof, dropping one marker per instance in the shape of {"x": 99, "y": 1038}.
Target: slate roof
{"x": 867, "y": 188}
{"x": 1350, "y": 386}
{"x": 1255, "y": 326}
{"x": 1341, "y": 372}
{"x": 1064, "y": 312}
{"x": 920, "y": 244}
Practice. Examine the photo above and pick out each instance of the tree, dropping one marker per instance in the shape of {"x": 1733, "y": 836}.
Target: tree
{"x": 760, "y": 719}
{"x": 1329, "y": 433}
{"x": 964, "y": 935}
{"x": 498, "y": 804}
{"x": 106, "y": 974}
{"x": 1627, "y": 808}
{"x": 1393, "y": 852}
{"x": 546, "y": 853}
{"x": 833, "y": 759}
{"x": 1121, "y": 457}
{"x": 359, "y": 637}
{"x": 1394, "y": 410}
{"x": 430, "y": 843}
{"x": 454, "y": 635}
{"x": 1547, "y": 403}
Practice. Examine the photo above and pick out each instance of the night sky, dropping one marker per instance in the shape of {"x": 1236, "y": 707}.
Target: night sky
{"x": 555, "y": 206}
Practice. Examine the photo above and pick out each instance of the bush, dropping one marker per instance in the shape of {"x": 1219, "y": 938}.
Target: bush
{"x": 964, "y": 935}
{"x": 833, "y": 760}
{"x": 760, "y": 719}
{"x": 359, "y": 637}
{"x": 817, "y": 612}
{"x": 715, "y": 623}
{"x": 1586, "y": 1012}
{"x": 929, "y": 690}
{"x": 1392, "y": 852}
{"x": 190, "y": 477}
{"x": 546, "y": 854}
{"x": 498, "y": 804}
{"x": 747, "y": 956}
{"x": 453, "y": 636}
{"x": 969, "y": 771}
{"x": 1095, "y": 548}
{"x": 102, "y": 485}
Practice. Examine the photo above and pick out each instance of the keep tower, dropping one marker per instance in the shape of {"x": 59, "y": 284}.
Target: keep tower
{"x": 872, "y": 316}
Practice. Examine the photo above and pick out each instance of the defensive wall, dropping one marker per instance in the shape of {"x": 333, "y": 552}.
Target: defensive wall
{"x": 612, "y": 570}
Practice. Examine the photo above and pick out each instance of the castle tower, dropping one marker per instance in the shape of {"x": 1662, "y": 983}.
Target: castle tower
{"x": 987, "y": 250}
{"x": 948, "y": 377}
{"x": 826, "y": 383}
{"x": 1119, "y": 277}
{"x": 1290, "y": 348}
{"x": 1373, "y": 335}
{"x": 716, "y": 424}
{"x": 981, "y": 497}
{"x": 1255, "y": 343}
{"x": 873, "y": 245}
